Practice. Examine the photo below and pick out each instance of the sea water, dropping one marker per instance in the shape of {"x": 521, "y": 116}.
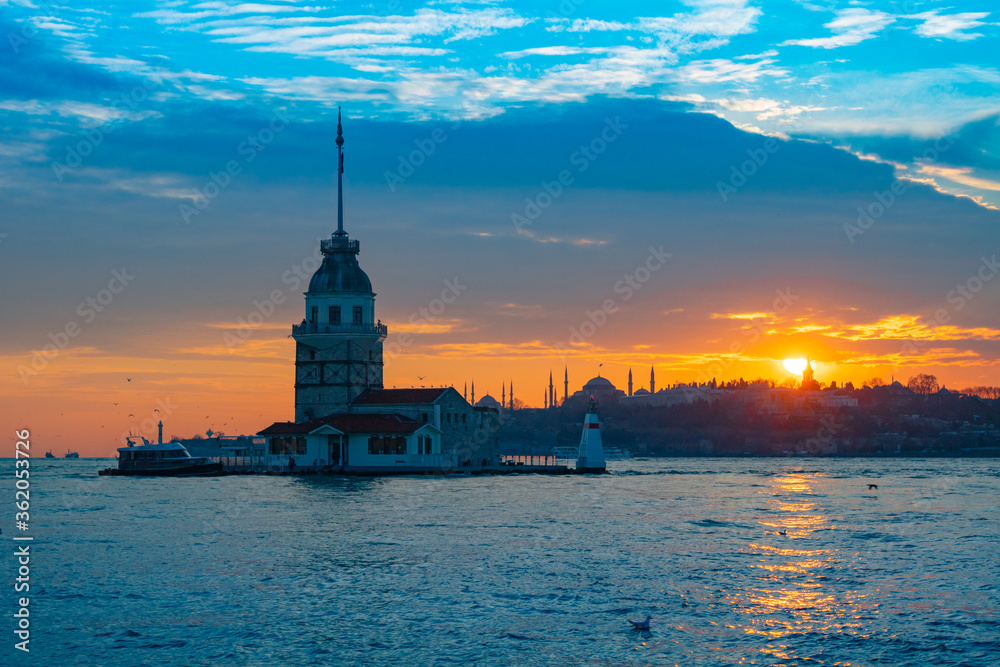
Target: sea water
{"x": 738, "y": 561}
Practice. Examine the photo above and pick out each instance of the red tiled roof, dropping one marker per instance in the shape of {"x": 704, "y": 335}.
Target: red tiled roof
{"x": 349, "y": 423}
{"x": 400, "y": 396}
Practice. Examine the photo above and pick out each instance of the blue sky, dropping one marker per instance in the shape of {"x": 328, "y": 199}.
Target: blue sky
{"x": 116, "y": 116}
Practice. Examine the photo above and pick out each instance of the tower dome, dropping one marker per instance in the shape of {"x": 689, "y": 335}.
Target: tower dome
{"x": 340, "y": 271}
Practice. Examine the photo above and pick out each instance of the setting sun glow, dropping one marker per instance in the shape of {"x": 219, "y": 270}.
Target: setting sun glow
{"x": 794, "y": 366}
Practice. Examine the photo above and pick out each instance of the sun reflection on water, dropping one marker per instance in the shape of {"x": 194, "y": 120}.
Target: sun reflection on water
{"x": 786, "y": 592}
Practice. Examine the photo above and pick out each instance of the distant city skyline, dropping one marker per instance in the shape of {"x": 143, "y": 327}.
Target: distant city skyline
{"x": 708, "y": 187}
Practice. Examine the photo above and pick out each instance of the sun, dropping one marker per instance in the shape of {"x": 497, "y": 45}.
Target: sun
{"x": 794, "y": 366}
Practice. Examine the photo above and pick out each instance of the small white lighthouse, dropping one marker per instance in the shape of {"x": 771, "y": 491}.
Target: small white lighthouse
{"x": 591, "y": 455}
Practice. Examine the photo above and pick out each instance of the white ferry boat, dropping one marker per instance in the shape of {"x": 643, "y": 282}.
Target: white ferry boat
{"x": 163, "y": 459}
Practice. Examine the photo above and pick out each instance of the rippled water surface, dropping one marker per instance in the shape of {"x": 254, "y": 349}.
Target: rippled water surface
{"x": 522, "y": 569}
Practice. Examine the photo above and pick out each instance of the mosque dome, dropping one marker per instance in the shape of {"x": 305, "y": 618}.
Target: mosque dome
{"x": 488, "y": 401}
{"x": 642, "y": 392}
{"x": 340, "y": 271}
{"x": 598, "y": 384}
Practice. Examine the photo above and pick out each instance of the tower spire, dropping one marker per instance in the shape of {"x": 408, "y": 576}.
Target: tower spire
{"x": 340, "y": 177}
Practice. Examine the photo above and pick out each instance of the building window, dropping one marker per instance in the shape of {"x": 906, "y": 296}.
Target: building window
{"x": 314, "y": 314}
{"x": 312, "y": 354}
{"x": 357, "y": 314}
{"x": 449, "y": 417}
{"x": 387, "y": 444}
{"x": 334, "y": 314}
{"x": 463, "y": 419}
{"x": 425, "y": 417}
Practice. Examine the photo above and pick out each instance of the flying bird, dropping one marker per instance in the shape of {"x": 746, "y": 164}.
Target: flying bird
{"x": 782, "y": 532}
{"x": 641, "y": 625}
{"x": 421, "y": 377}
{"x": 128, "y": 379}
{"x": 872, "y": 486}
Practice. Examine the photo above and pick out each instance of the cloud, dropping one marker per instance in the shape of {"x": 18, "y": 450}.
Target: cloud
{"x": 949, "y": 26}
{"x": 852, "y": 26}
{"x": 963, "y": 175}
{"x": 711, "y": 24}
{"x": 721, "y": 71}
{"x": 912, "y": 327}
{"x": 321, "y": 36}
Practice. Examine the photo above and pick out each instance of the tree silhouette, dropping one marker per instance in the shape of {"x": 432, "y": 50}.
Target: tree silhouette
{"x": 923, "y": 384}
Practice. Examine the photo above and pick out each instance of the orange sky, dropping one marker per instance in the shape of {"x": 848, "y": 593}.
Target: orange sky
{"x": 83, "y": 400}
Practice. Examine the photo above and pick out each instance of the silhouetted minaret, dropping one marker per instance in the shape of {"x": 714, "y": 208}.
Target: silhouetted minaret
{"x": 473, "y": 399}
{"x": 465, "y": 391}
{"x": 630, "y": 382}
{"x": 503, "y": 396}
{"x": 512, "y": 395}
{"x": 652, "y": 380}
{"x": 552, "y": 392}
{"x": 546, "y": 400}
{"x": 566, "y": 384}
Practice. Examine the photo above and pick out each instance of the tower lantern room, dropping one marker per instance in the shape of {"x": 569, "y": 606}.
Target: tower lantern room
{"x": 338, "y": 351}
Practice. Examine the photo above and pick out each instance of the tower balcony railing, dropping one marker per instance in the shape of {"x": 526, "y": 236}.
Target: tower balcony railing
{"x": 320, "y": 328}
{"x": 339, "y": 243}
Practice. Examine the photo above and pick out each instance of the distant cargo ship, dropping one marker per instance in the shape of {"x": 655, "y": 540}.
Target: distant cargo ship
{"x": 71, "y": 455}
{"x": 49, "y": 454}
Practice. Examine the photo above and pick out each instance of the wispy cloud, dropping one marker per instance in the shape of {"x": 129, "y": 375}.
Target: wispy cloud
{"x": 852, "y": 26}
{"x": 950, "y": 26}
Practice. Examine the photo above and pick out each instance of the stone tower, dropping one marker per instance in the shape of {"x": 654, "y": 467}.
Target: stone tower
{"x": 338, "y": 346}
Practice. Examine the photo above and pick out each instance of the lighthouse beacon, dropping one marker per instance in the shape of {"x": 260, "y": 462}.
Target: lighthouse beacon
{"x": 591, "y": 456}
